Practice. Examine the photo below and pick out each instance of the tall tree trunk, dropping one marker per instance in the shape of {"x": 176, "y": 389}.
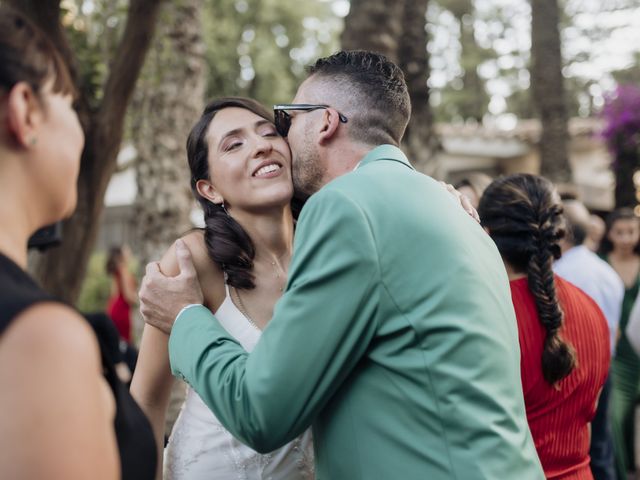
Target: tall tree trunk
{"x": 626, "y": 166}
{"x": 170, "y": 104}
{"x": 374, "y": 25}
{"x": 548, "y": 90}
{"x": 61, "y": 270}
{"x": 397, "y": 30}
{"x": 420, "y": 140}
{"x": 167, "y": 104}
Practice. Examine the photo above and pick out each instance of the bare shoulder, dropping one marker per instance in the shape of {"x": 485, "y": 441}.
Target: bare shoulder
{"x": 52, "y": 329}
{"x": 198, "y": 248}
{"x": 210, "y": 275}
{"x": 56, "y": 400}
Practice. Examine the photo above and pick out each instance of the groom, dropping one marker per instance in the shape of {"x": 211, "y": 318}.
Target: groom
{"x": 395, "y": 337}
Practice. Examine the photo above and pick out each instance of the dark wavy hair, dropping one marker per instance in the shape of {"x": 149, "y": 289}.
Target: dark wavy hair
{"x": 525, "y": 221}
{"x": 27, "y": 55}
{"x": 624, "y": 213}
{"x": 228, "y": 244}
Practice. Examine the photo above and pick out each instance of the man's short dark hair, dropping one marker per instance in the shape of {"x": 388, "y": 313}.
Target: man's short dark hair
{"x": 376, "y": 86}
{"x": 576, "y": 232}
{"x": 576, "y": 218}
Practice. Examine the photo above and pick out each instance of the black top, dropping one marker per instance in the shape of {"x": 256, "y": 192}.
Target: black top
{"x": 18, "y": 291}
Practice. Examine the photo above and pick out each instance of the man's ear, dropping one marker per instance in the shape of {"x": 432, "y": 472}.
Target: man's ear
{"x": 208, "y": 191}
{"x": 24, "y": 115}
{"x": 329, "y": 125}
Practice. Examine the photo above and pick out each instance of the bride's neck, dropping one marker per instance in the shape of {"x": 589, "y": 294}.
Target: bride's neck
{"x": 272, "y": 235}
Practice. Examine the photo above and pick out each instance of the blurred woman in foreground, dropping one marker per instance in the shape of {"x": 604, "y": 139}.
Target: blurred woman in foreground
{"x": 63, "y": 413}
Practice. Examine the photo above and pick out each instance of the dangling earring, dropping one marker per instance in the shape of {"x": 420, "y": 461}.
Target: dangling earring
{"x": 224, "y": 209}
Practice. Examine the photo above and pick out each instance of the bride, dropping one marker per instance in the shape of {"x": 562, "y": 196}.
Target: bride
{"x": 241, "y": 175}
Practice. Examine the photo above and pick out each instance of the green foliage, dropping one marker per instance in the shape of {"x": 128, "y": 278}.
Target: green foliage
{"x": 96, "y": 287}
{"x": 465, "y": 96}
{"x": 629, "y": 75}
{"x": 258, "y": 48}
{"x": 93, "y": 28}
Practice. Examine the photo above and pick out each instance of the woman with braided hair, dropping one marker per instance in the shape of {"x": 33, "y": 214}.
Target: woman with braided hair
{"x": 563, "y": 334}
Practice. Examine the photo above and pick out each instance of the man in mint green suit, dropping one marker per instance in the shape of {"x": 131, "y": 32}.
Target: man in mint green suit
{"x": 396, "y": 337}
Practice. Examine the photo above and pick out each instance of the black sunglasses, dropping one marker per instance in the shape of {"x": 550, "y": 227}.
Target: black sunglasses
{"x": 283, "y": 119}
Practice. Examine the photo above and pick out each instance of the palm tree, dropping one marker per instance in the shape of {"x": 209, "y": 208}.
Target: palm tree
{"x": 398, "y": 31}
{"x": 420, "y": 140}
{"x": 548, "y": 90}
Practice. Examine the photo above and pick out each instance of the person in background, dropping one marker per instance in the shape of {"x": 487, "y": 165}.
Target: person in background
{"x": 564, "y": 339}
{"x": 123, "y": 290}
{"x": 596, "y": 278}
{"x": 472, "y": 186}
{"x": 109, "y": 340}
{"x": 64, "y": 415}
{"x": 633, "y": 327}
{"x": 586, "y": 270}
{"x": 620, "y": 248}
{"x": 595, "y": 232}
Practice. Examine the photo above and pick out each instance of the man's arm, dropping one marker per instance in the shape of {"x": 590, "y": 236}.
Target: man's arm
{"x": 320, "y": 329}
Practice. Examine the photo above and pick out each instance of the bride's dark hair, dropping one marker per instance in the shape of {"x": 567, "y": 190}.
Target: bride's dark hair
{"x": 228, "y": 244}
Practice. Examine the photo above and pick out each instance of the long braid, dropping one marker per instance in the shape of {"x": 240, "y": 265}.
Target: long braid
{"x": 525, "y": 222}
{"x": 558, "y": 357}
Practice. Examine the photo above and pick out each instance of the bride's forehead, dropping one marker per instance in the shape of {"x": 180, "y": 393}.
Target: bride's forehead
{"x": 233, "y": 119}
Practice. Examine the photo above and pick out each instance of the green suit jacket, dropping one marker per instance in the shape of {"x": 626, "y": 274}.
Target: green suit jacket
{"x": 395, "y": 338}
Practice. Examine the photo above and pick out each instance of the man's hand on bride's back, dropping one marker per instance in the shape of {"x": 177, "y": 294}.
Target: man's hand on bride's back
{"x": 162, "y": 297}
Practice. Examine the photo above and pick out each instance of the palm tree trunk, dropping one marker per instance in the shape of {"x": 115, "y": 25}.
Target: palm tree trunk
{"x": 548, "y": 90}
{"x": 420, "y": 140}
{"x": 374, "y": 25}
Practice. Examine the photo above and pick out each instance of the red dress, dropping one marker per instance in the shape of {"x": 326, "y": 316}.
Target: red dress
{"x": 120, "y": 312}
{"x": 559, "y": 418}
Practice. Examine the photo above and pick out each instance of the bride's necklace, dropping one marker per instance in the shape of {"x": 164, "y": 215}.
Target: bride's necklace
{"x": 243, "y": 310}
{"x": 278, "y": 276}
{"x": 240, "y": 304}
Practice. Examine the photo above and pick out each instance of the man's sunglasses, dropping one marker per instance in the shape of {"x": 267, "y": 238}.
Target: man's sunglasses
{"x": 283, "y": 119}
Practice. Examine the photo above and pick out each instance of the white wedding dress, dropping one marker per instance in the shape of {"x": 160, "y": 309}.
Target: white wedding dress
{"x": 200, "y": 448}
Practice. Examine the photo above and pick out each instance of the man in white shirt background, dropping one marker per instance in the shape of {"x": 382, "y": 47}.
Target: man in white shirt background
{"x": 596, "y": 278}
